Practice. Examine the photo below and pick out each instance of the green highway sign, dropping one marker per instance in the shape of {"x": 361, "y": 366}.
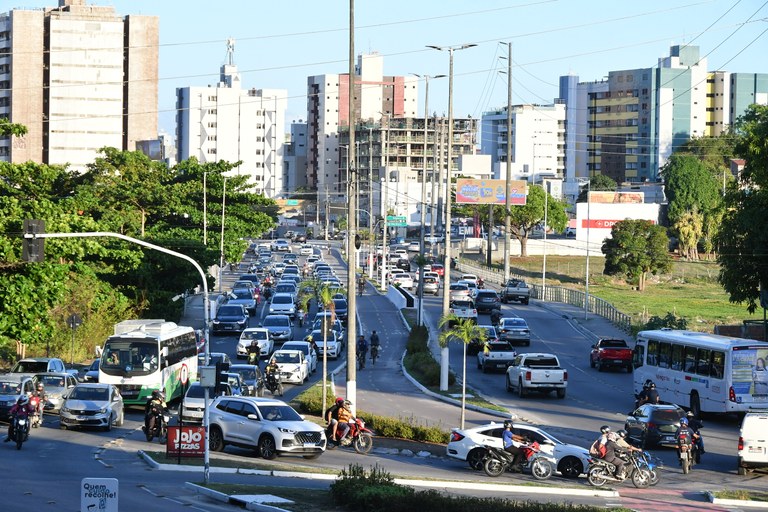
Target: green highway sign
{"x": 292, "y": 202}
{"x": 396, "y": 221}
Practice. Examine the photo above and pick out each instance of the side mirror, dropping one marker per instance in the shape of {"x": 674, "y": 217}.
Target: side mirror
{"x": 253, "y": 417}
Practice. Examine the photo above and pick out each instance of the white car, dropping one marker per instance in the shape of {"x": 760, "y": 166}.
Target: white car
{"x": 283, "y": 304}
{"x": 309, "y": 353}
{"x": 472, "y": 287}
{"x": 305, "y": 250}
{"x": 469, "y": 445}
{"x": 403, "y": 280}
{"x": 469, "y": 277}
{"x": 261, "y": 335}
{"x": 294, "y": 367}
{"x": 331, "y": 341}
{"x": 194, "y": 404}
{"x": 394, "y": 272}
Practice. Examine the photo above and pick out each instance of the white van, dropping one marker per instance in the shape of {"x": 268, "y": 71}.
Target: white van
{"x": 753, "y": 442}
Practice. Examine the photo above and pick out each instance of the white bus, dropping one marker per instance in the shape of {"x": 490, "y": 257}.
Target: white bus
{"x": 703, "y": 372}
{"x": 145, "y": 355}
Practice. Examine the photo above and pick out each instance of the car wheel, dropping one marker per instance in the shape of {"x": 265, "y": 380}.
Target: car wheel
{"x": 508, "y": 384}
{"x": 111, "y": 420}
{"x": 599, "y": 366}
{"x": 62, "y": 426}
{"x": 520, "y": 389}
{"x": 479, "y": 365}
{"x": 485, "y": 368}
{"x": 695, "y": 404}
{"x": 570, "y": 467}
{"x": 216, "y": 440}
{"x": 121, "y": 419}
{"x": 591, "y": 362}
{"x": 475, "y": 458}
{"x": 560, "y": 393}
{"x": 267, "y": 447}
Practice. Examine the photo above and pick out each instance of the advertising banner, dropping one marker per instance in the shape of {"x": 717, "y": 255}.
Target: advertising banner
{"x": 616, "y": 197}
{"x": 469, "y": 191}
{"x": 185, "y": 442}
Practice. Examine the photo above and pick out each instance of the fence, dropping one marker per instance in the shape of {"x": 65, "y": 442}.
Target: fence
{"x": 554, "y": 294}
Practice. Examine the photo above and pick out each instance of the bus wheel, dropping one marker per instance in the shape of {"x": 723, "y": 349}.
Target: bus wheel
{"x": 695, "y": 404}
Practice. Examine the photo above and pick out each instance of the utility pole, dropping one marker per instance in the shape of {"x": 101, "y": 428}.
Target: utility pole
{"x": 351, "y": 225}
{"x": 435, "y": 186}
{"x": 507, "y": 220}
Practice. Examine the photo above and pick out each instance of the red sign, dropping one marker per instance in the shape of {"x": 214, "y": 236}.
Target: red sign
{"x": 185, "y": 442}
{"x": 602, "y": 223}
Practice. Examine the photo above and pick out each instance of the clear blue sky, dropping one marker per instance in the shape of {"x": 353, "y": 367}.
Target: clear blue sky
{"x": 280, "y": 43}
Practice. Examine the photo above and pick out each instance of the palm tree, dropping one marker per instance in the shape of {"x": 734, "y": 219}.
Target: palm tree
{"x": 463, "y": 330}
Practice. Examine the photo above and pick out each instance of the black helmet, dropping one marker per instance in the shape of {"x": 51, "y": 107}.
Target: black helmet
{"x": 23, "y": 400}
{"x": 605, "y": 429}
{"x": 508, "y": 424}
{"x": 647, "y": 383}
{"x": 622, "y": 433}
{"x": 156, "y": 393}
{"x": 652, "y": 386}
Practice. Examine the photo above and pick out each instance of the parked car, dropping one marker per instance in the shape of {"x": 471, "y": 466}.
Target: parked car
{"x": 279, "y": 326}
{"x": 92, "y": 405}
{"x": 230, "y": 318}
{"x": 270, "y": 426}
{"x": 283, "y": 304}
{"x": 486, "y": 301}
{"x": 306, "y": 347}
{"x": 261, "y": 336}
{"x": 12, "y": 387}
{"x": 514, "y": 330}
{"x": 251, "y": 377}
{"x": 32, "y": 365}
{"x": 654, "y": 424}
{"x": 56, "y": 384}
{"x": 469, "y": 445}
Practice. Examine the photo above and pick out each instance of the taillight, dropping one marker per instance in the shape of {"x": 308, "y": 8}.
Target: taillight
{"x": 731, "y": 394}
{"x": 651, "y": 425}
{"x": 474, "y": 312}
{"x": 741, "y": 442}
{"x": 455, "y": 436}
{"x": 528, "y": 375}
{"x": 565, "y": 375}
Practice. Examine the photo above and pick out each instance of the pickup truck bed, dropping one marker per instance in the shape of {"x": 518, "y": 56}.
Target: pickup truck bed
{"x": 499, "y": 356}
{"x": 515, "y": 290}
{"x": 609, "y": 352}
{"x": 536, "y": 372}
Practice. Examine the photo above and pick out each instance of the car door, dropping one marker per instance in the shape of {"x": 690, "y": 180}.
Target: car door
{"x": 635, "y": 424}
{"x": 249, "y": 429}
{"x": 490, "y": 437}
{"x": 229, "y": 419}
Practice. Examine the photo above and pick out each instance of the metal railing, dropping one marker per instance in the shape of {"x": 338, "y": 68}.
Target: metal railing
{"x": 570, "y": 296}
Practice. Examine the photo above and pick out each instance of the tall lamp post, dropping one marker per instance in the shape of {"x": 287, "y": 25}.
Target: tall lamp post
{"x": 444, "y": 361}
{"x": 508, "y": 183}
{"x": 221, "y": 246}
{"x": 424, "y": 191}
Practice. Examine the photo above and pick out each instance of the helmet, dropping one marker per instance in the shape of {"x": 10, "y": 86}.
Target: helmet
{"x": 622, "y": 433}
{"x": 689, "y": 414}
{"x": 39, "y": 385}
{"x": 605, "y": 429}
{"x": 347, "y": 403}
{"x": 683, "y": 421}
{"x": 339, "y": 401}
{"x": 647, "y": 383}
{"x": 156, "y": 393}
{"x": 652, "y": 385}
{"x": 508, "y": 424}
{"x": 23, "y": 400}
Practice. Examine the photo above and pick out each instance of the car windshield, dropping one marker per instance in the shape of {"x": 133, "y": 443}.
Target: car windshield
{"x": 230, "y": 311}
{"x": 285, "y": 288}
{"x": 246, "y": 374}
{"x": 665, "y": 416}
{"x": 340, "y": 304}
{"x": 278, "y": 413}
{"x": 613, "y": 344}
{"x": 243, "y": 294}
{"x": 282, "y": 299}
{"x": 277, "y": 321}
{"x": 286, "y": 357}
{"x": 196, "y": 391}
{"x": 10, "y": 388}
{"x": 89, "y": 393}
{"x": 51, "y": 381}
{"x": 254, "y": 335}
{"x": 456, "y": 287}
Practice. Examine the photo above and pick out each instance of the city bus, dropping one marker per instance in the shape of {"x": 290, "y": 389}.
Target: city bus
{"x": 703, "y": 372}
{"x": 145, "y": 355}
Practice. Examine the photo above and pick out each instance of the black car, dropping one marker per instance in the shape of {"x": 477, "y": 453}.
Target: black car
{"x": 300, "y": 238}
{"x": 341, "y": 309}
{"x": 251, "y": 377}
{"x": 486, "y": 301}
{"x": 654, "y": 424}
{"x": 230, "y": 318}
{"x": 404, "y": 263}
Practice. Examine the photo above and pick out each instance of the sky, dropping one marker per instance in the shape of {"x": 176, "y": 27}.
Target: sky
{"x": 278, "y": 44}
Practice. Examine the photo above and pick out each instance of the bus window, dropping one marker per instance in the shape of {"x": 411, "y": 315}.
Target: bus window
{"x": 690, "y": 360}
{"x": 702, "y": 366}
{"x": 653, "y": 353}
{"x": 677, "y": 357}
{"x": 718, "y": 364}
{"x": 638, "y": 356}
{"x": 665, "y": 354}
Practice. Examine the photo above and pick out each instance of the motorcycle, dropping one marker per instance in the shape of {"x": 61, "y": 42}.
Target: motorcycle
{"x": 601, "y": 471}
{"x": 20, "y": 430}
{"x": 498, "y": 460}
{"x": 36, "y": 419}
{"x": 274, "y": 383}
{"x": 359, "y": 436}
{"x": 687, "y": 455}
{"x": 652, "y": 464}
{"x": 158, "y": 424}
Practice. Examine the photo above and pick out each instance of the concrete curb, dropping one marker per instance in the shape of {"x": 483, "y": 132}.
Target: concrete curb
{"x": 234, "y": 499}
{"x": 734, "y": 503}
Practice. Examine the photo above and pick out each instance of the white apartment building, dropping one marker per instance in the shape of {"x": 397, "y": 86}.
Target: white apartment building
{"x": 538, "y": 142}
{"x": 79, "y": 77}
{"x": 227, "y": 123}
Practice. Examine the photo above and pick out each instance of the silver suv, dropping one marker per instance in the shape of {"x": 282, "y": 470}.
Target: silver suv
{"x": 268, "y": 425}
{"x": 279, "y": 326}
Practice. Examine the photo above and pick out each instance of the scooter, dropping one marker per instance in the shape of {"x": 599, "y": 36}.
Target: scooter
{"x": 359, "y": 436}
{"x": 498, "y": 460}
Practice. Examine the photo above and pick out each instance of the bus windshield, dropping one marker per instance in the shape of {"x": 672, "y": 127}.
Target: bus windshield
{"x": 129, "y": 357}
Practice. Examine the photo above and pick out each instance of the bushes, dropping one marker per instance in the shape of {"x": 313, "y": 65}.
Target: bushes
{"x": 419, "y": 361}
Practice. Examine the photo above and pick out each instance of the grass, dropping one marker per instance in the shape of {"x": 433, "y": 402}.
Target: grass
{"x": 672, "y": 292}
{"x": 742, "y": 495}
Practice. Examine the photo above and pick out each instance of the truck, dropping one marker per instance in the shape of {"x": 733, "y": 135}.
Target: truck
{"x": 515, "y": 290}
{"x": 495, "y": 355}
{"x": 539, "y": 372}
{"x": 609, "y": 352}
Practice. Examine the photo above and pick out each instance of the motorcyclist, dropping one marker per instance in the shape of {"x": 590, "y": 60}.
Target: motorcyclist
{"x": 696, "y": 425}
{"x": 610, "y": 451}
{"x": 653, "y": 395}
{"x": 346, "y": 420}
{"x": 362, "y": 350}
{"x": 684, "y": 435}
{"x": 272, "y": 370}
{"x": 254, "y": 352}
{"x": 332, "y": 418}
{"x": 496, "y": 316}
{"x": 621, "y": 441}
{"x": 23, "y": 409}
{"x": 511, "y": 445}
{"x": 154, "y": 407}
{"x": 642, "y": 397}
{"x": 38, "y": 402}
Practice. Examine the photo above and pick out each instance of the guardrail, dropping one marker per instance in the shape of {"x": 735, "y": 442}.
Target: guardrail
{"x": 595, "y": 305}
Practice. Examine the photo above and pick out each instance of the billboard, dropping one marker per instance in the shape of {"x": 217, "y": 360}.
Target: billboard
{"x": 597, "y": 219}
{"x": 473, "y": 191}
{"x": 616, "y": 197}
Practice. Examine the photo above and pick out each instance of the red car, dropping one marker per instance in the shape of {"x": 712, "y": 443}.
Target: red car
{"x": 439, "y": 268}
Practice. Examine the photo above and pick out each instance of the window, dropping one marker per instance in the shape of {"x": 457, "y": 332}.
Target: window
{"x": 665, "y": 355}
{"x": 677, "y": 357}
{"x": 703, "y": 363}
{"x": 718, "y": 364}
{"x": 653, "y": 353}
{"x": 638, "y": 356}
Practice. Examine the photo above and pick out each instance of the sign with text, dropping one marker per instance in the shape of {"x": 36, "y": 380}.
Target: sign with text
{"x": 470, "y": 191}
{"x": 98, "y": 495}
{"x": 396, "y": 221}
{"x": 185, "y": 442}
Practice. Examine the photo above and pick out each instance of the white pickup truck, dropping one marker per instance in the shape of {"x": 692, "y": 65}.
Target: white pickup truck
{"x": 537, "y": 372}
{"x": 496, "y": 355}
{"x": 463, "y": 310}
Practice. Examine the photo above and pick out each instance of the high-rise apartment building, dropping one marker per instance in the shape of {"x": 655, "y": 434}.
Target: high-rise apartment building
{"x": 228, "y": 123}
{"x": 729, "y": 95}
{"x": 79, "y": 77}
{"x": 376, "y": 97}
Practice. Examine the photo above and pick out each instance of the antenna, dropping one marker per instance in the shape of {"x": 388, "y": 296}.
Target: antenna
{"x": 230, "y": 51}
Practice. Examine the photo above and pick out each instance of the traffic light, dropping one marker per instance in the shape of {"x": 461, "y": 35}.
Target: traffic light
{"x": 33, "y": 249}
{"x": 358, "y": 242}
{"x": 222, "y": 379}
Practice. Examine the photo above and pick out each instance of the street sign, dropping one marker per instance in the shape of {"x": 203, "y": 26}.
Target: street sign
{"x": 184, "y": 374}
{"x": 98, "y": 495}
{"x": 292, "y": 202}
{"x": 396, "y": 221}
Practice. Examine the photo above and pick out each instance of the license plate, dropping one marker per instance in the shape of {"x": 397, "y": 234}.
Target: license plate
{"x": 82, "y": 418}
{"x": 755, "y": 449}
{"x": 500, "y": 365}
{"x": 309, "y": 445}
{"x": 667, "y": 439}
{"x": 617, "y": 361}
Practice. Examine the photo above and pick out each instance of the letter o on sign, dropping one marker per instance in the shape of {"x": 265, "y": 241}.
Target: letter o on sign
{"x": 184, "y": 374}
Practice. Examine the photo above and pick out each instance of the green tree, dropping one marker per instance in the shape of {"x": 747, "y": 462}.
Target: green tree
{"x": 636, "y": 247}
{"x": 596, "y": 183}
{"x": 743, "y": 239}
{"x": 715, "y": 153}
{"x": 8, "y": 128}
{"x": 525, "y": 218}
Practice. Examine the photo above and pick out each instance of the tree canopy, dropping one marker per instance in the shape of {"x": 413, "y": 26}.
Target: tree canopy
{"x": 743, "y": 239}
{"x": 596, "y": 183}
{"x": 636, "y": 248}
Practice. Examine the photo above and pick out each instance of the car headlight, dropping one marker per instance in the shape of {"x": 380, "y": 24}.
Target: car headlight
{"x": 271, "y": 310}
{"x": 216, "y": 322}
{"x": 65, "y": 410}
{"x": 286, "y": 430}
{"x": 103, "y": 410}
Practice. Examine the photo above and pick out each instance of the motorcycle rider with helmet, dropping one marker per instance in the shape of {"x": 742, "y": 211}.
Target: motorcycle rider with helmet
{"x": 610, "y": 452}
{"x": 21, "y": 408}
{"x": 41, "y": 398}
{"x": 511, "y": 445}
{"x": 696, "y": 425}
{"x": 621, "y": 441}
{"x": 332, "y": 418}
{"x": 154, "y": 407}
{"x": 642, "y": 397}
{"x": 345, "y": 420}
{"x": 684, "y": 435}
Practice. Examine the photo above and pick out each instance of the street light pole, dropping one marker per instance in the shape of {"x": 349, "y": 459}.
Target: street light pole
{"x": 221, "y": 245}
{"x": 508, "y": 185}
{"x": 351, "y": 224}
{"x": 205, "y": 210}
{"x": 586, "y": 288}
{"x": 444, "y": 361}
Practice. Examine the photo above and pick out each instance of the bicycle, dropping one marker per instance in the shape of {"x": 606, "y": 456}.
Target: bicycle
{"x": 374, "y": 354}
{"x": 361, "y": 360}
